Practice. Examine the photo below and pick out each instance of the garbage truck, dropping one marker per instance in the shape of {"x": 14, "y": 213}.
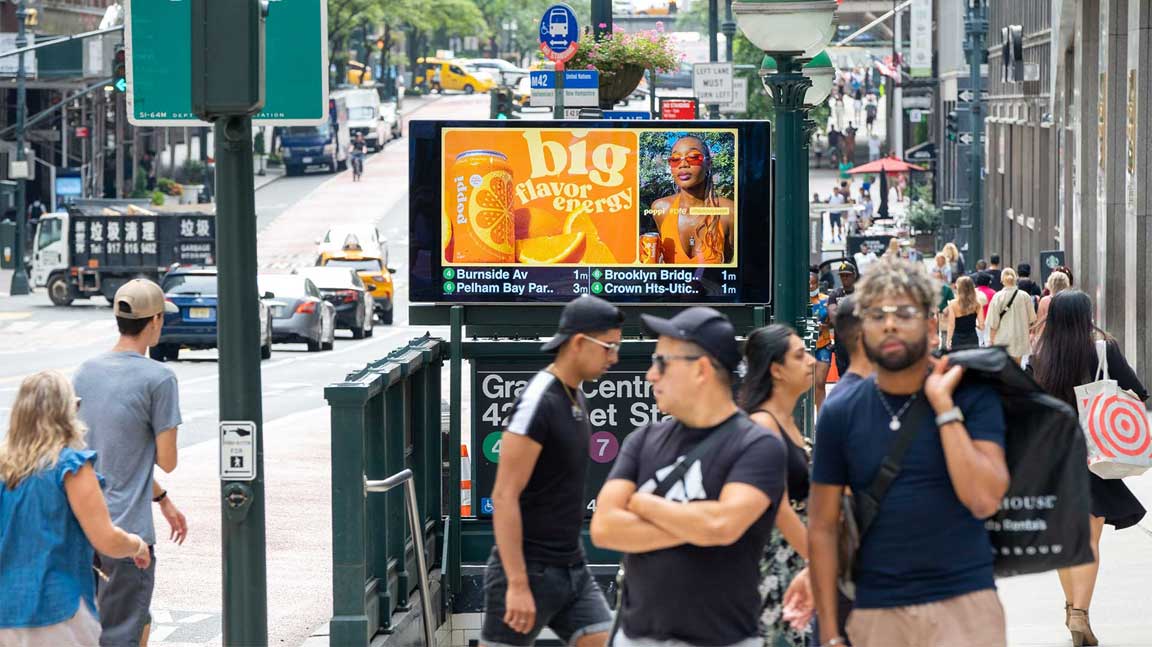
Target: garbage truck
{"x": 97, "y": 245}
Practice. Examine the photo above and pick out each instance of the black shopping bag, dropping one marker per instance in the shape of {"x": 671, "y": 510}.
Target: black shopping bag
{"x": 1043, "y": 521}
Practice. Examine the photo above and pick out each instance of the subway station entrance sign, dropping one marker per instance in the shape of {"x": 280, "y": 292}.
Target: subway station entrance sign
{"x": 158, "y": 52}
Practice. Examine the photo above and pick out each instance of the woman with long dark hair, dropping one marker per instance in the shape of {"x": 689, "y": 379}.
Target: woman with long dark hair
{"x": 1066, "y": 358}
{"x": 695, "y": 223}
{"x": 780, "y": 370}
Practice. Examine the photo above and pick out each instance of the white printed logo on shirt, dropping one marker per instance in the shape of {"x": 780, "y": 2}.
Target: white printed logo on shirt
{"x": 689, "y": 488}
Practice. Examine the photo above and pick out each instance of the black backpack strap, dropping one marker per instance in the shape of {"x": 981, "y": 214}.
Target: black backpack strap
{"x": 868, "y": 502}
{"x": 1009, "y": 306}
{"x": 699, "y": 451}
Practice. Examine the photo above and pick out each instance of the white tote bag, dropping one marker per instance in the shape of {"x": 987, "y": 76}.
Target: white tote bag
{"x": 1115, "y": 425}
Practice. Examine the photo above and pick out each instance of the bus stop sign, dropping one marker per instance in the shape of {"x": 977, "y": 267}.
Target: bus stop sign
{"x": 559, "y": 33}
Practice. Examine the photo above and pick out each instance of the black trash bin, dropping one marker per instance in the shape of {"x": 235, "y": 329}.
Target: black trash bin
{"x": 8, "y": 253}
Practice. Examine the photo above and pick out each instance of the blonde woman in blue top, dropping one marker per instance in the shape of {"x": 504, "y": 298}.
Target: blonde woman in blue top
{"x": 52, "y": 516}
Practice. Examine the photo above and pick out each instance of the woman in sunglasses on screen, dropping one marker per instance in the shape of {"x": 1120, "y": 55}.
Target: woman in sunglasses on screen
{"x": 695, "y": 223}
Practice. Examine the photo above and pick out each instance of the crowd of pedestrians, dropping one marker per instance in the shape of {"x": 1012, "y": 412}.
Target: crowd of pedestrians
{"x": 730, "y": 520}
{"x": 77, "y": 564}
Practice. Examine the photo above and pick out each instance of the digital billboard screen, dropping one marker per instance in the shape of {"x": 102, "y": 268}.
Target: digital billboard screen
{"x": 641, "y": 212}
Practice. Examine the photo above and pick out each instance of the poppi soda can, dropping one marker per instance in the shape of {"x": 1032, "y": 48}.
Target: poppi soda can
{"x": 480, "y": 208}
{"x": 650, "y": 248}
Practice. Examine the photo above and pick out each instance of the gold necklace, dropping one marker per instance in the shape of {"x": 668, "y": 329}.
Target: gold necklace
{"x": 577, "y": 410}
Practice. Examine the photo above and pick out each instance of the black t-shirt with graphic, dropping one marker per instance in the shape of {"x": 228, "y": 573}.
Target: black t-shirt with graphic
{"x": 552, "y": 503}
{"x": 700, "y": 595}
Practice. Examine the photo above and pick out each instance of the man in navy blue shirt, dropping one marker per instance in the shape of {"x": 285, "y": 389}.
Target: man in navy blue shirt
{"x": 923, "y": 573}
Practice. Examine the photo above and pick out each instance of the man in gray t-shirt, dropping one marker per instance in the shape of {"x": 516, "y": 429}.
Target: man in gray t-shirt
{"x": 131, "y": 406}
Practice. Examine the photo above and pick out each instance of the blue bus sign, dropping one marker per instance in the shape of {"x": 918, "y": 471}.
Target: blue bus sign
{"x": 559, "y": 33}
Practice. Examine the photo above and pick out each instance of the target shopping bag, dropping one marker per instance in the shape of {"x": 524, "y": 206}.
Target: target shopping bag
{"x": 1115, "y": 425}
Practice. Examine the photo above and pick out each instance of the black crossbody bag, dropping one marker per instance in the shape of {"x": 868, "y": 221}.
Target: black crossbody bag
{"x": 662, "y": 486}
{"x": 859, "y": 510}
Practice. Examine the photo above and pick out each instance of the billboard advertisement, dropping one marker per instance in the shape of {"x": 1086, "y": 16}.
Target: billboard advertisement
{"x": 633, "y": 211}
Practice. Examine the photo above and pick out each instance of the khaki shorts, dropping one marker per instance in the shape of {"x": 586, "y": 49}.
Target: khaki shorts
{"x": 970, "y": 620}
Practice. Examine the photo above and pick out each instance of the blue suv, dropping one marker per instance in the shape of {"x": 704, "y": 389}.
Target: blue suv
{"x": 194, "y": 292}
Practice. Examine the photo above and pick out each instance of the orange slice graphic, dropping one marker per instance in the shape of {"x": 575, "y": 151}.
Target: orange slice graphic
{"x": 545, "y": 250}
{"x": 533, "y": 222}
{"x": 490, "y": 212}
{"x": 596, "y": 252}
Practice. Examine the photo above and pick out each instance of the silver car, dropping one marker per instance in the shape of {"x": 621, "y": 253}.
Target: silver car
{"x": 299, "y": 312}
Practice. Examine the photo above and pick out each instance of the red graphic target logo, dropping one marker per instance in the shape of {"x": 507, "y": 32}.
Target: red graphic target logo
{"x": 1119, "y": 426}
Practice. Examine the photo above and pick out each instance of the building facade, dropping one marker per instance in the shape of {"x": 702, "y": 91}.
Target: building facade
{"x": 1068, "y": 164}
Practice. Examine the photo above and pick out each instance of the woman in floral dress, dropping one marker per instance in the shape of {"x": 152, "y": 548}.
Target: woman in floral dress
{"x": 779, "y": 371}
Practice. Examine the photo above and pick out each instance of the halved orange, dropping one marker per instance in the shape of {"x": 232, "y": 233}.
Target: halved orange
{"x": 596, "y": 252}
{"x": 490, "y": 212}
{"x": 546, "y": 250}
{"x": 533, "y": 222}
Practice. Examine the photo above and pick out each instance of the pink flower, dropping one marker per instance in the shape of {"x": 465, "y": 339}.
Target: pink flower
{"x": 660, "y": 26}
{"x": 617, "y": 28}
{"x": 603, "y": 25}
{"x": 589, "y": 67}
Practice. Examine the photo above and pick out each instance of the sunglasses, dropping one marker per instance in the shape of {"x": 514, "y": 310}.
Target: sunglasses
{"x": 661, "y": 361}
{"x": 905, "y": 315}
{"x": 695, "y": 158}
{"x": 611, "y": 347}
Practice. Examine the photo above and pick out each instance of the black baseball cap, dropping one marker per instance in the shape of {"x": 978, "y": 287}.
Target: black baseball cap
{"x": 846, "y": 268}
{"x": 585, "y": 313}
{"x": 705, "y": 327}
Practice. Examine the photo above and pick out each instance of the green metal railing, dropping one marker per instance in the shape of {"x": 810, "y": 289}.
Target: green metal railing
{"x": 385, "y": 419}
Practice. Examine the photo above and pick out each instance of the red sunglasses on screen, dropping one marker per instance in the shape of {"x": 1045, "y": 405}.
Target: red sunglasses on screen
{"x": 695, "y": 158}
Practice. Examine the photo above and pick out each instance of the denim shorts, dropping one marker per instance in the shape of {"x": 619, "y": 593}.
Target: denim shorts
{"x": 124, "y": 599}
{"x": 824, "y": 355}
{"x": 568, "y": 601}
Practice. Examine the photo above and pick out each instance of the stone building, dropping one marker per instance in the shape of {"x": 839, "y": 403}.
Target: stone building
{"x": 1068, "y": 164}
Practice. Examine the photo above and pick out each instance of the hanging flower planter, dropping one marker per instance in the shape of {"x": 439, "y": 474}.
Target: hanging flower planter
{"x": 622, "y": 58}
{"x": 616, "y": 85}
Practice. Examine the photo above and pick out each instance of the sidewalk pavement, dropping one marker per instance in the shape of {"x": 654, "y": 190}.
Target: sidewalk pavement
{"x": 186, "y": 604}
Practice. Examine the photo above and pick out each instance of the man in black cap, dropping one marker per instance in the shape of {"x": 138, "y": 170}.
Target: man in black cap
{"x": 537, "y": 576}
{"x": 691, "y": 499}
{"x": 848, "y": 275}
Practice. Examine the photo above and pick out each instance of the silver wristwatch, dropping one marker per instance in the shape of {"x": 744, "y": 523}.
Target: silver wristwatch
{"x": 952, "y": 415}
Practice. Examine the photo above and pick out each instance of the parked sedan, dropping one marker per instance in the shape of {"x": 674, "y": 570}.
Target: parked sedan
{"x": 299, "y": 313}
{"x": 342, "y": 287}
{"x": 194, "y": 292}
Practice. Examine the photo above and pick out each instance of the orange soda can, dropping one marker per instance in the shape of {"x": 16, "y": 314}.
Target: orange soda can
{"x": 480, "y": 208}
{"x": 650, "y": 248}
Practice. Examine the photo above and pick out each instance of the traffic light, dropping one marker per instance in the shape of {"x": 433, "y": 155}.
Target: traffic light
{"x": 503, "y": 103}
{"x": 952, "y": 126}
{"x": 120, "y": 70}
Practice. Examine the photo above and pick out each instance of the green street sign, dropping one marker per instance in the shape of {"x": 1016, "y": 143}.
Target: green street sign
{"x": 157, "y": 41}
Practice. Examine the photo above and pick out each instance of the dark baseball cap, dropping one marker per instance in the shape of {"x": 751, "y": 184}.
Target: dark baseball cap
{"x": 846, "y": 268}
{"x": 705, "y": 327}
{"x": 585, "y": 313}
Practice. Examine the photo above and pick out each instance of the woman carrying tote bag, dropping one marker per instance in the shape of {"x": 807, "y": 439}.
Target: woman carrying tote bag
{"x": 1065, "y": 359}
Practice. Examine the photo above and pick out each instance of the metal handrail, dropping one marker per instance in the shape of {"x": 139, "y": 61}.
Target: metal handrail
{"x": 405, "y": 477}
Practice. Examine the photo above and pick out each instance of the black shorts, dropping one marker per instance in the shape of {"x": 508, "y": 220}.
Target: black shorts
{"x": 568, "y": 601}
{"x": 834, "y": 218}
{"x": 124, "y": 600}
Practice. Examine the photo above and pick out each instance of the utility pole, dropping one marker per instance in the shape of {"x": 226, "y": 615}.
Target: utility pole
{"x": 713, "y": 47}
{"x": 20, "y": 275}
{"x": 227, "y": 90}
{"x": 976, "y": 26}
{"x": 729, "y": 29}
{"x": 897, "y": 139}
{"x": 601, "y": 15}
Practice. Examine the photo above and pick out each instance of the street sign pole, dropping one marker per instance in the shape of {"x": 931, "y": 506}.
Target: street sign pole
{"x": 558, "y": 109}
{"x": 227, "y": 88}
{"x": 20, "y": 275}
{"x": 976, "y": 23}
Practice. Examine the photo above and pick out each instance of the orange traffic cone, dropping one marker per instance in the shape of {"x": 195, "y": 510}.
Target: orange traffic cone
{"x": 833, "y": 373}
{"x": 465, "y": 482}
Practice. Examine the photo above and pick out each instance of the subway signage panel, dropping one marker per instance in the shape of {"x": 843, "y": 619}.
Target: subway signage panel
{"x": 634, "y": 212}
{"x": 158, "y": 44}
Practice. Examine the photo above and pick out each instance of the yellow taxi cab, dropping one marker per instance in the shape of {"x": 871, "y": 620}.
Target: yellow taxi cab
{"x": 377, "y": 277}
{"x": 452, "y": 76}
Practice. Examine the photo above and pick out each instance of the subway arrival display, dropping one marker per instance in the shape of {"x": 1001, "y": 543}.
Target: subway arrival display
{"x": 640, "y": 212}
